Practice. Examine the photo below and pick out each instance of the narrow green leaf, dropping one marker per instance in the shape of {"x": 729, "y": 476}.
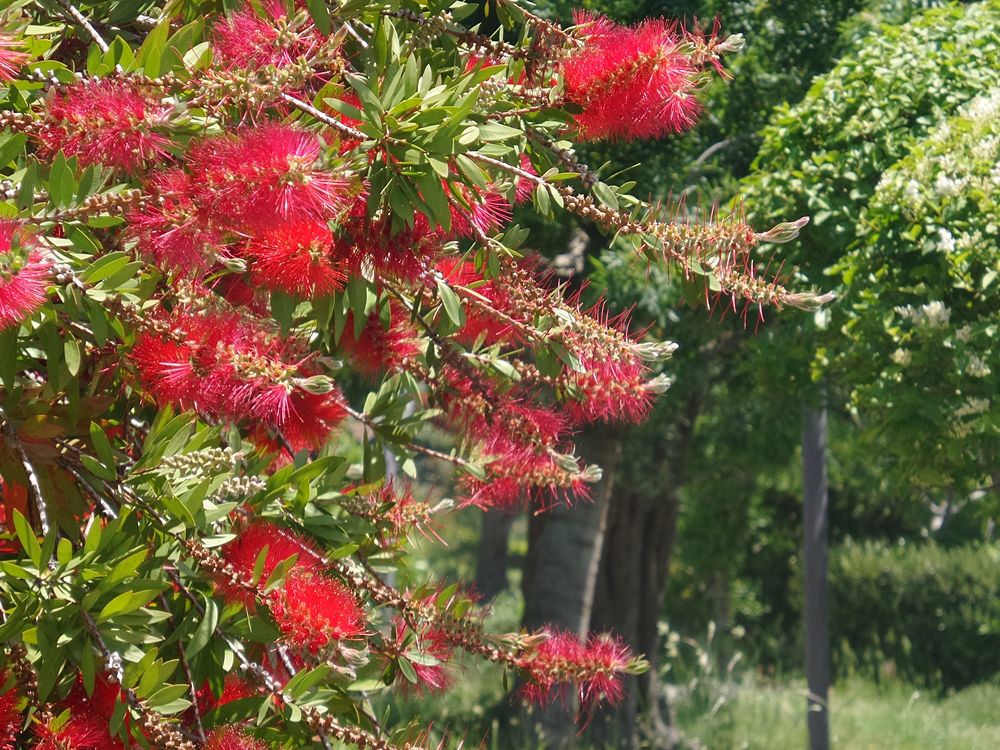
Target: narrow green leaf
{"x": 206, "y": 628}
{"x": 71, "y": 352}
{"x": 452, "y": 304}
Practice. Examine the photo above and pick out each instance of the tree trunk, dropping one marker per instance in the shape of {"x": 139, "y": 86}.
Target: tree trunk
{"x": 560, "y": 571}
{"x": 814, "y": 487}
{"x": 493, "y": 559}
{"x": 641, "y": 528}
{"x": 633, "y": 574}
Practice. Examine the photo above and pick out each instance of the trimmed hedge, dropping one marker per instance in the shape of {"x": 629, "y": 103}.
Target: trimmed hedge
{"x": 931, "y": 614}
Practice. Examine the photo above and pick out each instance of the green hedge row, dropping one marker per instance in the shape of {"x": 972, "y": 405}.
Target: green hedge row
{"x": 930, "y": 614}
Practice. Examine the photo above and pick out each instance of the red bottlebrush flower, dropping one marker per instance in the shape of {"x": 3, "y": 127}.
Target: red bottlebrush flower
{"x": 243, "y": 551}
{"x": 234, "y": 289}
{"x": 267, "y": 176}
{"x": 174, "y": 232}
{"x": 167, "y": 369}
{"x": 100, "y": 703}
{"x": 81, "y": 732}
{"x": 13, "y": 496}
{"x": 12, "y": 58}
{"x": 233, "y": 689}
{"x": 25, "y": 273}
{"x": 403, "y": 255}
{"x": 479, "y": 322}
{"x": 295, "y": 258}
{"x": 108, "y": 122}
{"x": 631, "y": 82}
{"x": 487, "y": 213}
{"x": 377, "y": 349}
{"x": 608, "y": 390}
{"x": 525, "y": 188}
{"x": 520, "y": 444}
{"x": 432, "y": 642}
{"x": 233, "y": 738}
{"x": 313, "y": 610}
{"x": 182, "y": 369}
{"x": 231, "y": 368}
{"x": 248, "y": 40}
{"x": 310, "y": 418}
{"x": 10, "y": 719}
{"x": 596, "y": 668}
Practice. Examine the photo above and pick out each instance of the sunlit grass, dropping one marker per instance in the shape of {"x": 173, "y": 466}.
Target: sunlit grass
{"x": 863, "y": 716}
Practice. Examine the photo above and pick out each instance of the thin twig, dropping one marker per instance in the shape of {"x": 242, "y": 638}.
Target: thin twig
{"x": 34, "y": 488}
{"x": 81, "y": 19}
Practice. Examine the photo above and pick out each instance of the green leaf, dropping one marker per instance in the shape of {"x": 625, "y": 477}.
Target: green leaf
{"x": 166, "y": 695}
{"x": 150, "y": 54}
{"x": 71, "y": 352}
{"x": 320, "y": 15}
{"x": 8, "y": 356}
{"x": 104, "y": 267}
{"x": 88, "y": 666}
{"x": 98, "y": 469}
{"x": 206, "y": 628}
{"x": 407, "y": 669}
{"x": 452, "y": 304}
{"x": 128, "y": 601}
{"x": 101, "y": 445}
{"x": 27, "y": 538}
{"x": 493, "y": 131}
{"x": 605, "y": 195}
{"x": 302, "y": 682}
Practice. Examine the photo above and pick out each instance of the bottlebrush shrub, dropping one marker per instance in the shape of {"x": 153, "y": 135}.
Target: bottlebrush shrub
{"x": 208, "y": 227}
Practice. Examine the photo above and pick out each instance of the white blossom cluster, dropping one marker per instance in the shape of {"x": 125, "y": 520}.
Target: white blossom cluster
{"x": 959, "y": 157}
{"x": 934, "y": 314}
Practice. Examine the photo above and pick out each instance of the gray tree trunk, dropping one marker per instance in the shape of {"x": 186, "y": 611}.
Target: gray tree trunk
{"x": 635, "y": 563}
{"x": 493, "y": 559}
{"x": 814, "y": 490}
{"x": 560, "y": 571}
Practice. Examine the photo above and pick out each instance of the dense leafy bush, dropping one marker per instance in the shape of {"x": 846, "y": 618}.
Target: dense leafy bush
{"x": 931, "y": 615}
{"x": 249, "y": 262}
{"x": 923, "y": 335}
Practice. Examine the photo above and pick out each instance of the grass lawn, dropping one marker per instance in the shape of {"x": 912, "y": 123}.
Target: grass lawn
{"x": 864, "y": 716}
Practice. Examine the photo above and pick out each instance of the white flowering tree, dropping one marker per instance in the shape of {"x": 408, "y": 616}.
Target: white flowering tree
{"x": 923, "y": 287}
{"x": 894, "y": 155}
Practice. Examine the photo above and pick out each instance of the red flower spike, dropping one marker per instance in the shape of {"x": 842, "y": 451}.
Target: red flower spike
{"x": 108, "y": 122}
{"x": 174, "y": 232}
{"x": 233, "y": 689}
{"x": 488, "y": 212}
{"x": 631, "y": 82}
{"x": 311, "y": 418}
{"x": 267, "y": 176}
{"x": 433, "y": 642}
{"x": 232, "y": 368}
{"x": 10, "y": 719}
{"x": 12, "y": 58}
{"x": 595, "y": 667}
{"x": 100, "y": 703}
{"x": 525, "y": 188}
{"x": 403, "y": 255}
{"x": 243, "y": 551}
{"x": 23, "y": 280}
{"x": 609, "y": 390}
{"x": 295, "y": 258}
{"x": 233, "y": 738}
{"x": 81, "y": 732}
{"x": 375, "y": 349}
{"x": 313, "y": 611}
{"x": 250, "y": 41}
{"x": 478, "y": 321}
